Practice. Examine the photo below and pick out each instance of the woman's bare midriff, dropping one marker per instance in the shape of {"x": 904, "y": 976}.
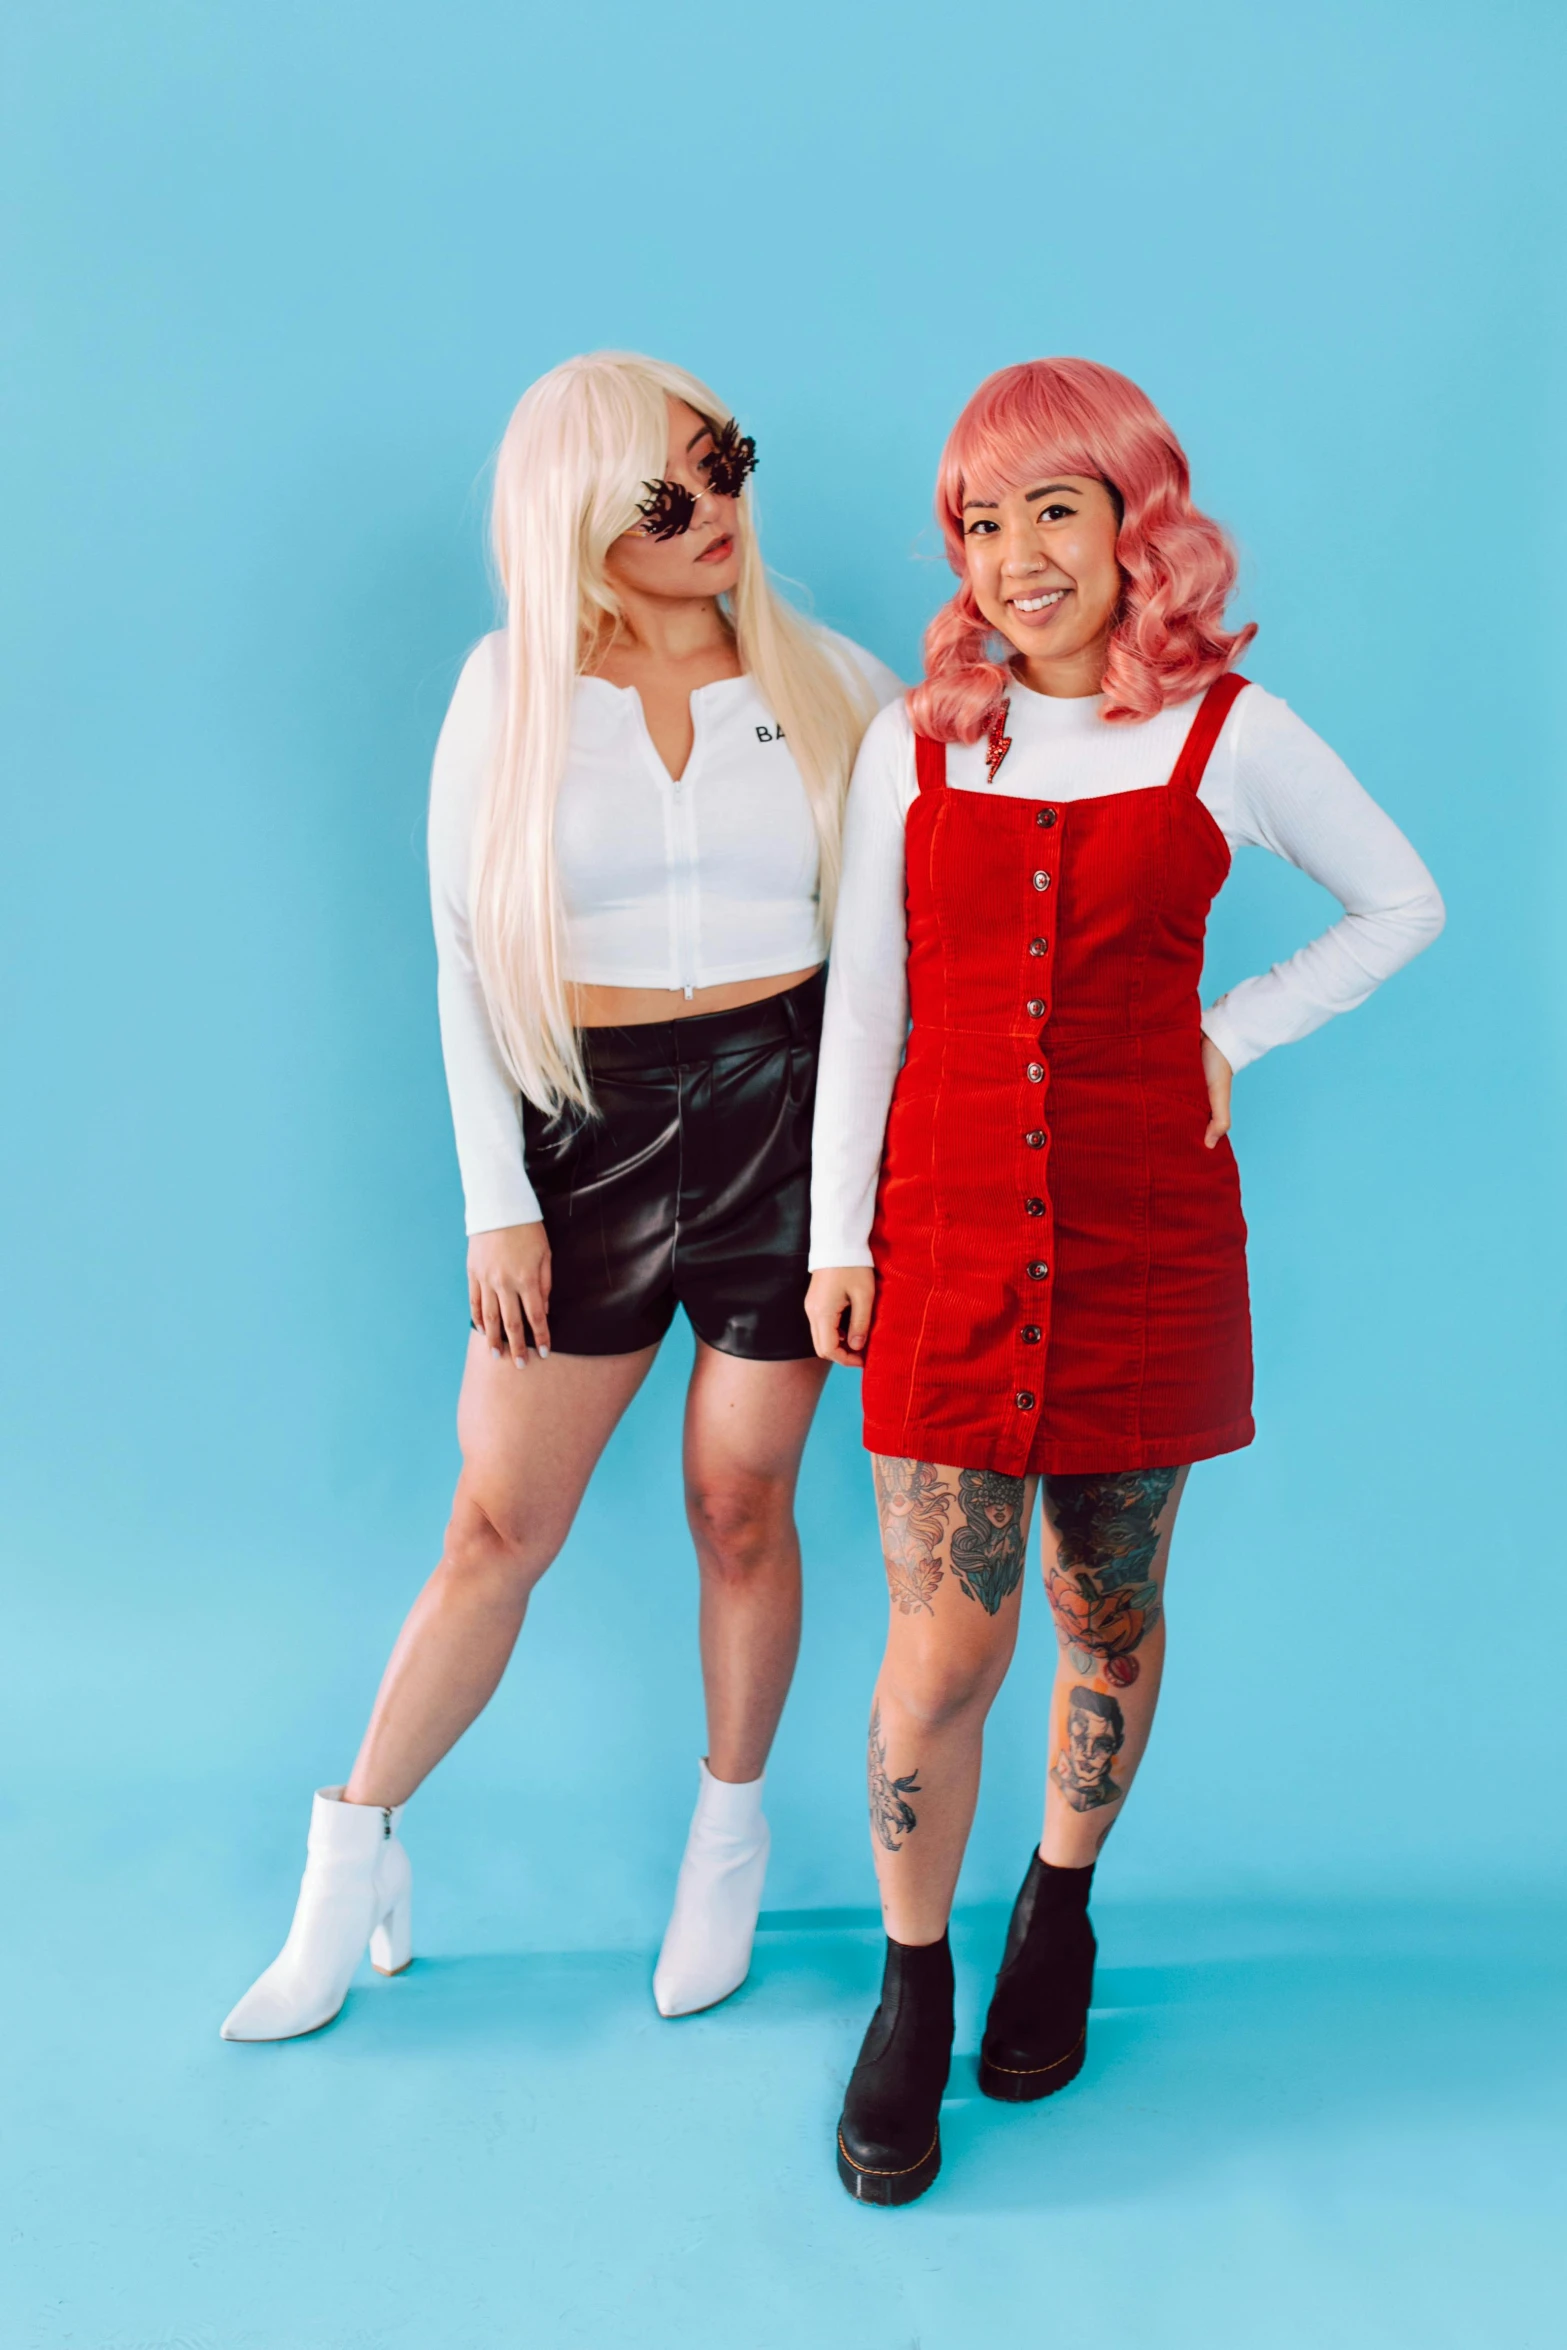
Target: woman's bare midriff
{"x": 635, "y": 1007}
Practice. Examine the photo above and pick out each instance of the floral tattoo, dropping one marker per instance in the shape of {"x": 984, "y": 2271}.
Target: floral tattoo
{"x": 892, "y": 1815}
{"x": 913, "y": 1505}
{"x": 1101, "y": 1584}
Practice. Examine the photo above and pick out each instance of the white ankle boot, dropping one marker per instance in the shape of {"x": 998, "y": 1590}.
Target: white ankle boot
{"x": 356, "y": 1890}
{"x": 707, "y": 1948}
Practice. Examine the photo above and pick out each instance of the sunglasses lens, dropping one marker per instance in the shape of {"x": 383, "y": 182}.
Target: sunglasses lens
{"x": 667, "y": 510}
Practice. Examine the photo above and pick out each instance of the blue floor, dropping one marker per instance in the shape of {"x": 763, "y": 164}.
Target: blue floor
{"x": 1297, "y": 2130}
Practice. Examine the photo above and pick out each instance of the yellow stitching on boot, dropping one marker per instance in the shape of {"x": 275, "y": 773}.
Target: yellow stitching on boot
{"x": 866, "y": 2171}
{"x": 1023, "y": 2072}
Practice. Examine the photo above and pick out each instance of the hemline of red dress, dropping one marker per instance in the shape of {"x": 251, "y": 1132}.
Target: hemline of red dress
{"x": 1051, "y": 1459}
{"x": 1060, "y": 1259}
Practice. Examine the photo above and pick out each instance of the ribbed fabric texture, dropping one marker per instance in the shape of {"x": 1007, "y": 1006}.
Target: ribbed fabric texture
{"x": 1061, "y": 1261}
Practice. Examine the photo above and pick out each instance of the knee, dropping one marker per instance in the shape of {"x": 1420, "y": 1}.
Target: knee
{"x": 736, "y": 1523}
{"x": 490, "y": 1553}
{"x": 937, "y": 1692}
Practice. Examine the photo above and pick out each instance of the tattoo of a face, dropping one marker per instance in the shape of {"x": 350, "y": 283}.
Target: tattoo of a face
{"x": 1100, "y": 1582}
{"x": 892, "y": 1814}
{"x": 1095, "y": 1735}
{"x": 913, "y": 1503}
{"x": 987, "y": 1552}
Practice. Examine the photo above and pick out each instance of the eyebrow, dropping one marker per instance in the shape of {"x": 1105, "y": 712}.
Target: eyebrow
{"x": 1029, "y": 495}
{"x": 706, "y": 433}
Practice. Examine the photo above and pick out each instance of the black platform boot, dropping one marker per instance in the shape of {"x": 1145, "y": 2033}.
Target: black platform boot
{"x": 1036, "y": 2033}
{"x": 889, "y": 2133}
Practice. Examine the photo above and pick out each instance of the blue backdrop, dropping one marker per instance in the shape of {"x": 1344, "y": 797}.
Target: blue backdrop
{"x": 280, "y": 274}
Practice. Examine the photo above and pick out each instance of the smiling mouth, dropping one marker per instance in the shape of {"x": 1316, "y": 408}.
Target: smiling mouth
{"x": 1042, "y": 603}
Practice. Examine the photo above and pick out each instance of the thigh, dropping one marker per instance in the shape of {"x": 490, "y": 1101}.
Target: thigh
{"x": 954, "y": 1541}
{"x": 747, "y": 1422}
{"x": 1105, "y": 1546}
{"x": 531, "y": 1438}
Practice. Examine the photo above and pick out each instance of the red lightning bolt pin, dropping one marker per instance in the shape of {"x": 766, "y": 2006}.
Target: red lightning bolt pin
{"x": 1000, "y": 743}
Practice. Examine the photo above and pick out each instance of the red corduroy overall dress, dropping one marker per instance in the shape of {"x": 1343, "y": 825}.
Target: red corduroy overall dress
{"x": 1061, "y": 1262}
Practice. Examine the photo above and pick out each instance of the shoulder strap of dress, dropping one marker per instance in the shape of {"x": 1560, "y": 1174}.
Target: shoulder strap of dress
{"x": 1203, "y": 733}
{"x": 930, "y": 763}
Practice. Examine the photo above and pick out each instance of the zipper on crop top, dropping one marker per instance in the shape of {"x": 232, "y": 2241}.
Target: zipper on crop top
{"x": 683, "y": 879}
{"x": 680, "y": 835}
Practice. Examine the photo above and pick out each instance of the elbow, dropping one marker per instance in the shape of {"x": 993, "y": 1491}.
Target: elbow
{"x": 1432, "y": 918}
{"x": 1413, "y": 923}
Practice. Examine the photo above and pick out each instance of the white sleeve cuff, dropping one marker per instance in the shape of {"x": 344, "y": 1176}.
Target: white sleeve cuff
{"x": 498, "y": 1211}
{"x": 836, "y": 1252}
{"x": 1221, "y": 1030}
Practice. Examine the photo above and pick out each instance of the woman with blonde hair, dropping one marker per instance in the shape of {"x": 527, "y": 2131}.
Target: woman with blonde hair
{"x": 634, "y": 841}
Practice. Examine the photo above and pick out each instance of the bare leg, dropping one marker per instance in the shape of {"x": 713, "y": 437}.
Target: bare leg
{"x": 1106, "y": 1546}
{"x": 954, "y": 1542}
{"x": 746, "y": 1425}
{"x": 530, "y": 1441}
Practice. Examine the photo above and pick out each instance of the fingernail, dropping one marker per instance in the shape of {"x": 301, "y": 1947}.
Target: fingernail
{"x": 521, "y": 1362}
{"x": 544, "y": 1354}
{"x": 496, "y": 1352}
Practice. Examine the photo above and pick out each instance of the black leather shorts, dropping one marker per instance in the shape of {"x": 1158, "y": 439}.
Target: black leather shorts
{"x": 691, "y": 1184}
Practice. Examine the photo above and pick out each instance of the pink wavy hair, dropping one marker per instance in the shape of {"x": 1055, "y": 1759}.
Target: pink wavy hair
{"x": 1178, "y": 567}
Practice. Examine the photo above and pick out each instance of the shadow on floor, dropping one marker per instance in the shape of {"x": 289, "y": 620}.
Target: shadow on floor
{"x": 1348, "y": 2126}
{"x": 1195, "y": 2063}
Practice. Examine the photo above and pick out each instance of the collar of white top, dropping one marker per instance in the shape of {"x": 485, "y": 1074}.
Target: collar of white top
{"x": 1053, "y": 714}
{"x": 627, "y": 694}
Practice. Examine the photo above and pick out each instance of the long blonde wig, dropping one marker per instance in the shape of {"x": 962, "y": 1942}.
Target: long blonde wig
{"x": 582, "y": 445}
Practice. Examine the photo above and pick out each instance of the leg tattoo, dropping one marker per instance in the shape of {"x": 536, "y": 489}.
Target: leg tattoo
{"x": 1101, "y": 1582}
{"x": 914, "y": 1505}
{"x": 987, "y": 1553}
{"x": 892, "y": 1814}
{"x": 1095, "y": 1735}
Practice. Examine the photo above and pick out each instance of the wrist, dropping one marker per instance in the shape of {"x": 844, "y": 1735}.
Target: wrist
{"x": 1221, "y": 1033}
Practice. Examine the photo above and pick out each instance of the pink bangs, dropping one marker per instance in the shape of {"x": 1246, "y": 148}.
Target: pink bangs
{"x": 1177, "y": 565}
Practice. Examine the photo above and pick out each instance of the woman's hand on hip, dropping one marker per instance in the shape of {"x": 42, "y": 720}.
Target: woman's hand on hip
{"x": 508, "y": 1278}
{"x": 1220, "y": 1077}
{"x": 838, "y": 1305}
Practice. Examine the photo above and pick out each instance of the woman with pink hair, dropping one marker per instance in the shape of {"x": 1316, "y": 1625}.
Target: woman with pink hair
{"x": 1029, "y": 1235}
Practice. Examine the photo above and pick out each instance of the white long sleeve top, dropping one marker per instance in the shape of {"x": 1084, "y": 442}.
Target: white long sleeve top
{"x": 1270, "y": 783}
{"x": 665, "y": 883}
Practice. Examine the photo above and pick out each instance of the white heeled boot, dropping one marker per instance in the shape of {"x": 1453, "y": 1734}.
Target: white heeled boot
{"x": 707, "y": 1946}
{"x": 356, "y": 1890}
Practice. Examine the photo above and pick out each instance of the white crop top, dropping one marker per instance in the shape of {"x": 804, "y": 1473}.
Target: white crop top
{"x": 665, "y": 884}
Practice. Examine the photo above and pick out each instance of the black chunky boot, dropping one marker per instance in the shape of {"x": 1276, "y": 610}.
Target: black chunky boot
{"x": 889, "y": 2134}
{"x": 1036, "y": 2033}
